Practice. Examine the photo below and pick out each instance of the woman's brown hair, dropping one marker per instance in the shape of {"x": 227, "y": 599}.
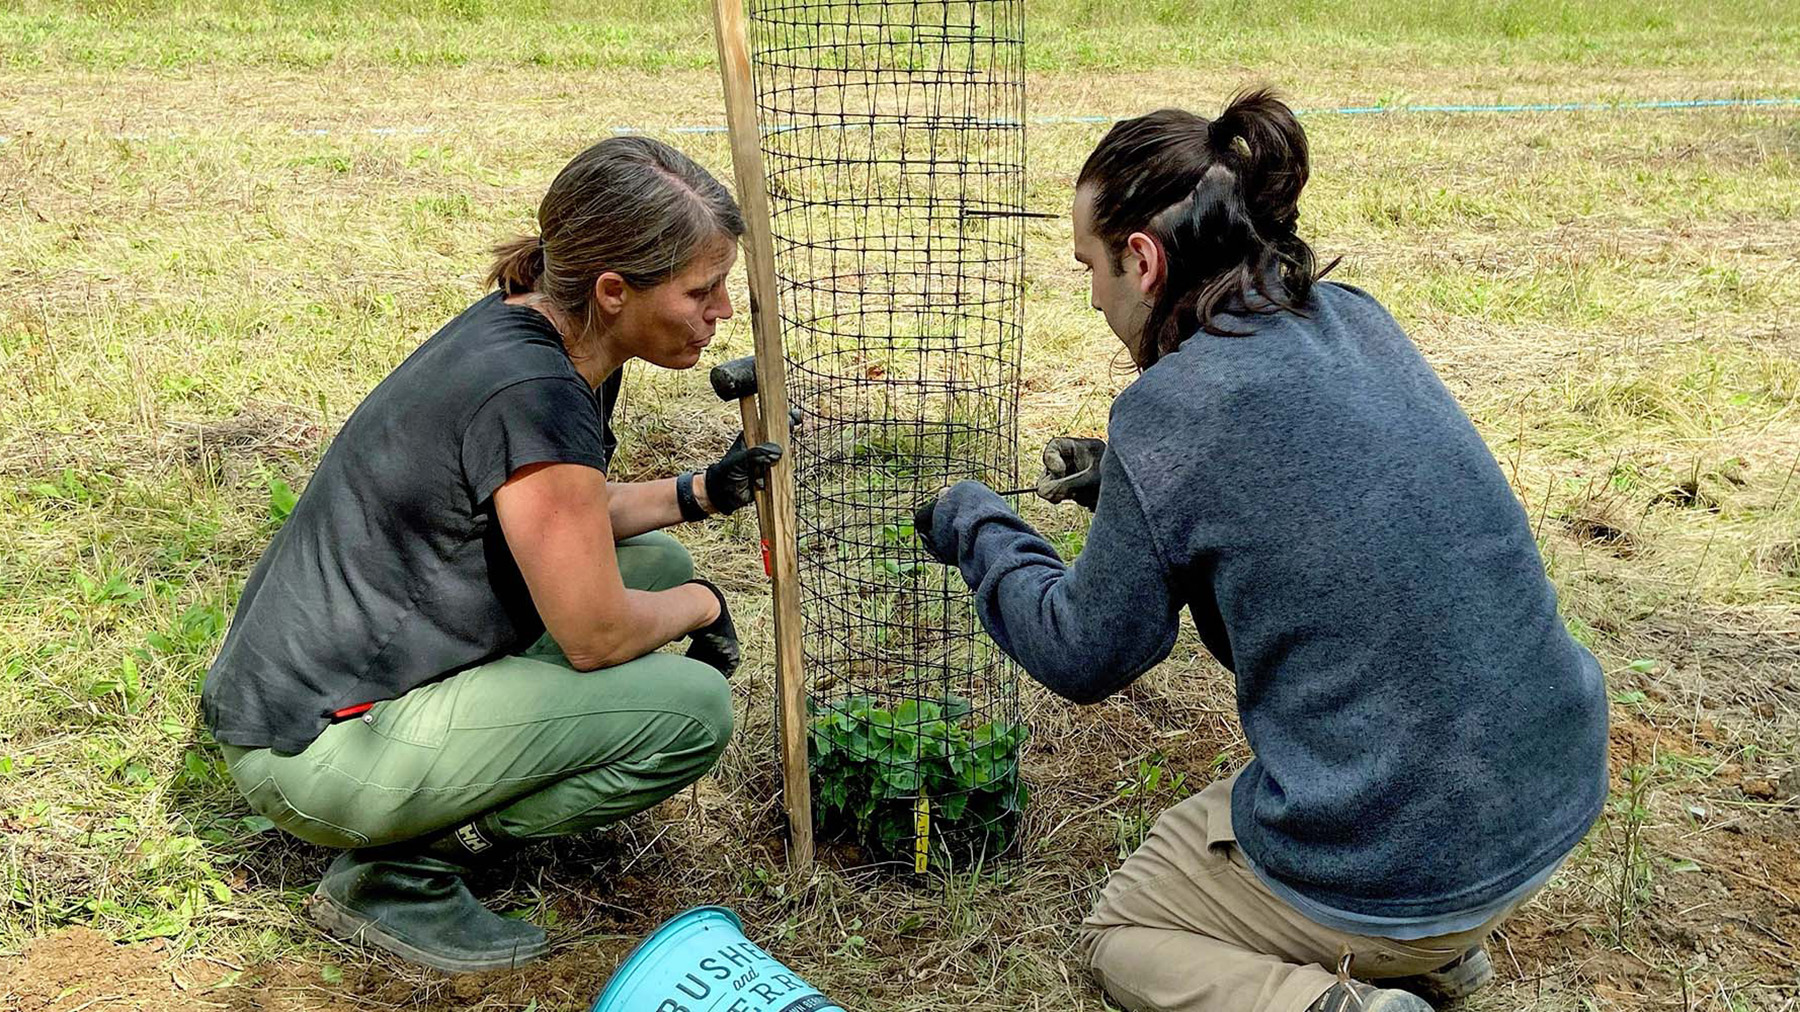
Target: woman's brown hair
{"x": 630, "y": 205}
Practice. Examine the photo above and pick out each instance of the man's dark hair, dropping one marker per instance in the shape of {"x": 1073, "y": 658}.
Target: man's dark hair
{"x": 1221, "y": 197}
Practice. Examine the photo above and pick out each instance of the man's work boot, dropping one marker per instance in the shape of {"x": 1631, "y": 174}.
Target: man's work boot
{"x": 1454, "y": 981}
{"x": 1356, "y": 996}
{"x": 413, "y": 902}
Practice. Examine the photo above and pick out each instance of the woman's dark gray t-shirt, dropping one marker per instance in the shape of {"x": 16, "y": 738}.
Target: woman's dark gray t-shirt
{"x": 392, "y": 571}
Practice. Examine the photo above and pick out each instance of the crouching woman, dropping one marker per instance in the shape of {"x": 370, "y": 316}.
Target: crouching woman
{"x": 450, "y": 647}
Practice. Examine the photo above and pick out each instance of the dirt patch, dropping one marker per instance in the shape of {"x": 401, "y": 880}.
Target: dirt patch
{"x": 569, "y": 979}
{"x": 257, "y": 432}
{"x": 82, "y": 969}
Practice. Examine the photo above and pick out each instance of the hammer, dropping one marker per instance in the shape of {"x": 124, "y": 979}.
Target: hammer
{"x": 736, "y": 381}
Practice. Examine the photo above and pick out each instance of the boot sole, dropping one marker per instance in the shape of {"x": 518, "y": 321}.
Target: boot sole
{"x": 1440, "y": 987}
{"x": 350, "y": 926}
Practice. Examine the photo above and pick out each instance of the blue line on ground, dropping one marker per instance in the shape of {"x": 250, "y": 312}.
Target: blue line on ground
{"x": 1343, "y": 110}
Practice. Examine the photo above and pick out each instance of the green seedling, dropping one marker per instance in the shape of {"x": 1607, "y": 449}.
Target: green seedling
{"x": 870, "y": 767}
{"x": 281, "y": 501}
{"x": 1151, "y": 788}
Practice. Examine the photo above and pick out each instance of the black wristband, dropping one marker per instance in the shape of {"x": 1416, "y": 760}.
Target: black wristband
{"x": 684, "y": 497}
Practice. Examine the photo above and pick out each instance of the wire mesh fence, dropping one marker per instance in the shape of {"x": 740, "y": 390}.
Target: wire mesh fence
{"x": 893, "y": 142}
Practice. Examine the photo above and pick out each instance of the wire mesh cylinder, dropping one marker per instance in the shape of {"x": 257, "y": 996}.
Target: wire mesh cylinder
{"x": 893, "y": 141}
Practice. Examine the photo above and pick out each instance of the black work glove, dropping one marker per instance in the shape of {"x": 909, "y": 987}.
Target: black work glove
{"x": 717, "y": 643}
{"x": 1072, "y": 470}
{"x": 733, "y": 482}
{"x": 922, "y": 520}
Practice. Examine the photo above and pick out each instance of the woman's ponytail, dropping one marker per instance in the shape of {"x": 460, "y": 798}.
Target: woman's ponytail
{"x": 518, "y": 263}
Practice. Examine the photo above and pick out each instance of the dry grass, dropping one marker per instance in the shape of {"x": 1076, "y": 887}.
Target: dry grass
{"x": 199, "y": 286}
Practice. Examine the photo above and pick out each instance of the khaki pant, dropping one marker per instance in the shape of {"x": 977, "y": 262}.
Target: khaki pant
{"x": 1185, "y": 926}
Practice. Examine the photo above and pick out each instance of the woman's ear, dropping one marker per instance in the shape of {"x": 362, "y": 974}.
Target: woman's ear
{"x": 609, "y": 292}
{"x": 1144, "y": 260}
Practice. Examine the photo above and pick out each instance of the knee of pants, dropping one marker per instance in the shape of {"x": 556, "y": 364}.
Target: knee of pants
{"x": 705, "y": 696}
{"x": 1087, "y": 945}
{"x": 654, "y": 560}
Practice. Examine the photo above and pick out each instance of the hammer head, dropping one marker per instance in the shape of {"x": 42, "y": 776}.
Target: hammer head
{"x": 736, "y": 379}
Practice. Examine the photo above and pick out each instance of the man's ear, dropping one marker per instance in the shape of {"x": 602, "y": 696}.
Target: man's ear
{"x": 1144, "y": 259}
{"x": 609, "y": 292}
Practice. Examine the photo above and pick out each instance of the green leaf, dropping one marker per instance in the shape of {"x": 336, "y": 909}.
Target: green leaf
{"x": 902, "y": 780}
{"x": 873, "y": 786}
{"x": 952, "y": 806}
{"x": 281, "y": 503}
{"x": 331, "y": 975}
{"x": 956, "y": 707}
{"x": 128, "y": 678}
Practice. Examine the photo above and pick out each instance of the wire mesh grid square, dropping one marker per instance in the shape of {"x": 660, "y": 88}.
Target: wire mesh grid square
{"x": 894, "y": 147}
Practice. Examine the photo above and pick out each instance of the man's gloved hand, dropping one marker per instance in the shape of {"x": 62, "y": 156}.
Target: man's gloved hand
{"x": 716, "y": 644}
{"x": 922, "y": 520}
{"x": 732, "y": 483}
{"x": 1072, "y": 470}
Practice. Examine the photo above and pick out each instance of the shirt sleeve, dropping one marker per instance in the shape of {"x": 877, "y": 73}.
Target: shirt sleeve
{"x": 1084, "y": 630}
{"x": 533, "y": 421}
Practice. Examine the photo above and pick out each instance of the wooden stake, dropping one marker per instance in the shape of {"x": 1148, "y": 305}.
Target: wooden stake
{"x": 777, "y": 503}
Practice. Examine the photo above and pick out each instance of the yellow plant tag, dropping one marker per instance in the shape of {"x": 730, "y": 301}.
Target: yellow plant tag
{"x": 921, "y": 833}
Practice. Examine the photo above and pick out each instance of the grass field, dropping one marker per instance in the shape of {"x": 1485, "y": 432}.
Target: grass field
{"x": 221, "y": 225}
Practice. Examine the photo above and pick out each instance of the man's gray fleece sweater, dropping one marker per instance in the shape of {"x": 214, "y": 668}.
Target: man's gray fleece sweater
{"x": 1427, "y": 734}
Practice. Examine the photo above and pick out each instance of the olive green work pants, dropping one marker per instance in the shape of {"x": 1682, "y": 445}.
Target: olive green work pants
{"x": 547, "y": 749}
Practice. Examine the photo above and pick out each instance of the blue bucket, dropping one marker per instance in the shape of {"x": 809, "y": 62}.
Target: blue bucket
{"x": 700, "y": 961}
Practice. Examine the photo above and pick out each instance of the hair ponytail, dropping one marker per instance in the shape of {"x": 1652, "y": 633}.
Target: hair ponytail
{"x": 518, "y": 263}
{"x": 1222, "y": 198}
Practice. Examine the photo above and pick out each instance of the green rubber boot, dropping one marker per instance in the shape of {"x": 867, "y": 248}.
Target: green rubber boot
{"x": 413, "y": 902}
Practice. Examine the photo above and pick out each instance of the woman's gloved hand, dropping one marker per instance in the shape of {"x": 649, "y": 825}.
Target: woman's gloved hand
{"x": 717, "y": 643}
{"x": 732, "y": 483}
{"x": 1072, "y": 470}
